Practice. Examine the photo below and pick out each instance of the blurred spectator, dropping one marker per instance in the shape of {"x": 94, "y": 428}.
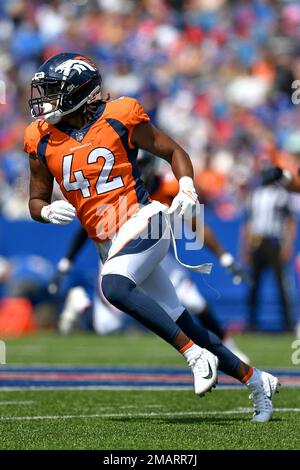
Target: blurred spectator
{"x": 208, "y": 72}
{"x": 215, "y": 74}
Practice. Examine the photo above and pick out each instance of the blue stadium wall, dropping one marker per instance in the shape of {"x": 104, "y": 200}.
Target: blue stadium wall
{"x": 229, "y": 302}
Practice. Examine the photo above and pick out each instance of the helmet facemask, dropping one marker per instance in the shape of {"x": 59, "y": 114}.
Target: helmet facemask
{"x": 46, "y": 99}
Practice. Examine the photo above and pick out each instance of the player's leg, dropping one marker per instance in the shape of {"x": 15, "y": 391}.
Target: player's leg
{"x": 123, "y": 272}
{"x": 191, "y": 298}
{"x": 189, "y": 295}
{"x": 124, "y": 294}
{"x": 122, "y": 275}
{"x": 283, "y": 284}
{"x": 261, "y": 384}
{"x": 160, "y": 288}
{"x": 106, "y": 318}
{"x": 258, "y": 265}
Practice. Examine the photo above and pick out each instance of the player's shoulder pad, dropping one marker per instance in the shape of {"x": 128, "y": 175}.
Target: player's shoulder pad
{"x": 122, "y": 105}
{"x": 33, "y": 134}
{"x": 127, "y": 110}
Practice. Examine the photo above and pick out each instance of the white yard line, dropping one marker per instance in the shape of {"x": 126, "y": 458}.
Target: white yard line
{"x": 163, "y": 388}
{"x": 143, "y": 415}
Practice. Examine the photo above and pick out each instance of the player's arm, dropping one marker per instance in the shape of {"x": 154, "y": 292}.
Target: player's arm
{"x": 76, "y": 244}
{"x": 284, "y": 177}
{"x": 65, "y": 263}
{"x": 290, "y": 230}
{"x": 148, "y": 137}
{"x": 40, "y": 193}
{"x": 212, "y": 243}
{"x": 40, "y": 188}
{"x": 226, "y": 259}
{"x": 294, "y": 184}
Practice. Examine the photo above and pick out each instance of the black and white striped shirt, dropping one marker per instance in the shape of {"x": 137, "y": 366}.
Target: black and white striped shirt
{"x": 267, "y": 210}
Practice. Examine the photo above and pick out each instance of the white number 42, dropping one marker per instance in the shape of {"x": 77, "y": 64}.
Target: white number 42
{"x": 79, "y": 181}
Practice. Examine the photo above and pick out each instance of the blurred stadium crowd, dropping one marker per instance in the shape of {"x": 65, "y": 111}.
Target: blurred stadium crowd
{"x": 218, "y": 75}
{"x": 215, "y": 74}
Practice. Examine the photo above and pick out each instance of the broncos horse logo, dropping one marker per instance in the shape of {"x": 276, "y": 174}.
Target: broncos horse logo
{"x": 74, "y": 64}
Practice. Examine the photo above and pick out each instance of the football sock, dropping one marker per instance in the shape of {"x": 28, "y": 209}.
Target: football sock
{"x": 126, "y": 296}
{"x": 186, "y": 347}
{"x": 251, "y": 377}
{"x": 228, "y": 362}
{"x": 189, "y": 351}
{"x": 208, "y": 320}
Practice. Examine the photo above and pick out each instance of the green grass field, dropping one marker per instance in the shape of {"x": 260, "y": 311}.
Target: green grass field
{"x": 118, "y": 419}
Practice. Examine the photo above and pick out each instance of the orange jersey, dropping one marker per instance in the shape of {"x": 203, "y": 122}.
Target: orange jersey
{"x": 95, "y": 166}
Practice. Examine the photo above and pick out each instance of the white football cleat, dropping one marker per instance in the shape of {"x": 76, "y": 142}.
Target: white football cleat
{"x": 263, "y": 387}
{"x": 204, "y": 366}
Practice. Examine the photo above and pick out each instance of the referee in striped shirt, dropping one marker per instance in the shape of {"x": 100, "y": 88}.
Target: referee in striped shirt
{"x": 269, "y": 237}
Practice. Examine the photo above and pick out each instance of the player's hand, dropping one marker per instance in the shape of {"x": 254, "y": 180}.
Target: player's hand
{"x": 235, "y": 269}
{"x": 59, "y": 213}
{"x": 276, "y": 174}
{"x": 63, "y": 267}
{"x": 186, "y": 198}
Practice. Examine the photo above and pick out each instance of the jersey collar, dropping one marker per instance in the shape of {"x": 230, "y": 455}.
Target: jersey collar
{"x": 79, "y": 134}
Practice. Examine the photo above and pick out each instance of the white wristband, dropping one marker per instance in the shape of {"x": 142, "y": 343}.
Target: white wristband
{"x": 45, "y": 213}
{"x": 186, "y": 182}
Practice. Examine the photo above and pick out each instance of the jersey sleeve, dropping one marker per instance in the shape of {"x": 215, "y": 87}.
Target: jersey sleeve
{"x": 136, "y": 115}
{"x": 30, "y": 140}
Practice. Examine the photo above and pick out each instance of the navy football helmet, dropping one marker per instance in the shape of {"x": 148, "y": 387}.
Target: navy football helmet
{"x": 62, "y": 85}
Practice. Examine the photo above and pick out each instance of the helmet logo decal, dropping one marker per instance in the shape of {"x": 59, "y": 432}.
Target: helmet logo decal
{"x": 71, "y": 64}
{"x": 38, "y": 76}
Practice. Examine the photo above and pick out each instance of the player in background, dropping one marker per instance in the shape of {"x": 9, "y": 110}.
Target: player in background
{"x": 162, "y": 188}
{"x": 89, "y": 145}
{"x": 291, "y": 182}
{"x": 283, "y": 177}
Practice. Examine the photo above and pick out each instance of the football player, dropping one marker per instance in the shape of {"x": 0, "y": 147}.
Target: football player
{"x": 89, "y": 145}
{"x": 291, "y": 182}
{"x": 164, "y": 188}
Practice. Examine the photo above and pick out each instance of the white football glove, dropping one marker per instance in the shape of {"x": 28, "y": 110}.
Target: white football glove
{"x": 64, "y": 265}
{"x": 227, "y": 260}
{"x": 186, "y": 198}
{"x": 59, "y": 213}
